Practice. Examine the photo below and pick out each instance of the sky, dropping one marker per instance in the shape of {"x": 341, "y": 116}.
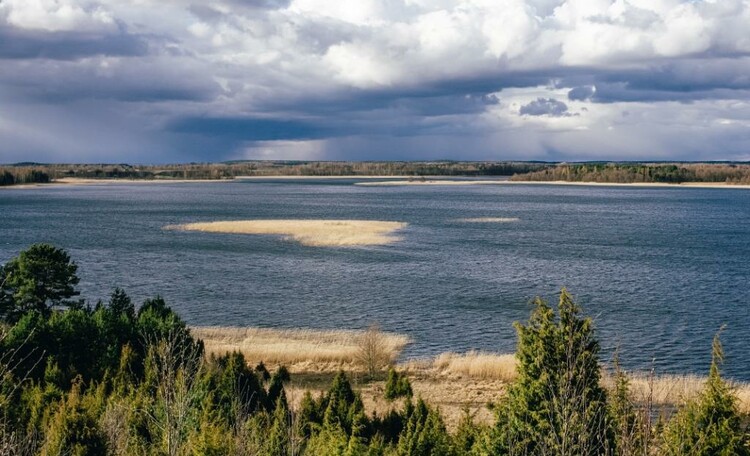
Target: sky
{"x": 155, "y": 81}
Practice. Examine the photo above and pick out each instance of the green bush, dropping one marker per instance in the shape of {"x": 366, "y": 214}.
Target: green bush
{"x": 397, "y": 385}
{"x": 709, "y": 425}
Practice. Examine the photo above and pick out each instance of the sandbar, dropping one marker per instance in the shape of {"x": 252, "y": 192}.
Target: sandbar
{"x": 315, "y": 233}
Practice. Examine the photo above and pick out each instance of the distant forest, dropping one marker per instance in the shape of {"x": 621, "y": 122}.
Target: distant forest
{"x": 627, "y": 173}
{"x": 730, "y": 173}
{"x": 229, "y": 170}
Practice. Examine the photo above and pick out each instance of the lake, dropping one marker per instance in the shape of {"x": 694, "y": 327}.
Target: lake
{"x": 660, "y": 269}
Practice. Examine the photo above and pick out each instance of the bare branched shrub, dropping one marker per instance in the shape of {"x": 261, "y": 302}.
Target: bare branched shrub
{"x": 372, "y": 351}
{"x": 13, "y": 443}
{"x": 177, "y": 363}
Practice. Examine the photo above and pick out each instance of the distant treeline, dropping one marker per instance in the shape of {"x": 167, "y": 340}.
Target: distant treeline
{"x": 22, "y": 175}
{"x": 626, "y": 173}
{"x": 230, "y": 170}
{"x": 731, "y": 173}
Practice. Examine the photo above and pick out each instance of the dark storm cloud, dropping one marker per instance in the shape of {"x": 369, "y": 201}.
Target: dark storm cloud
{"x": 545, "y": 107}
{"x": 34, "y": 44}
{"x": 583, "y": 93}
{"x": 249, "y": 129}
{"x": 207, "y": 79}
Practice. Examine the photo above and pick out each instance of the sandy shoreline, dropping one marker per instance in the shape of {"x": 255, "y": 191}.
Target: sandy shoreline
{"x": 318, "y": 177}
{"x": 313, "y": 233}
{"x": 436, "y": 182}
{"x": 430, "y": 182}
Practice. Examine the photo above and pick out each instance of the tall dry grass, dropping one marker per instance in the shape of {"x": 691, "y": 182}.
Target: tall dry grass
{"x": 674, "y": 390}
{"x": 480, "y": 365}
{"x": 294, "y": 346}
{"x": 317, "y": 233}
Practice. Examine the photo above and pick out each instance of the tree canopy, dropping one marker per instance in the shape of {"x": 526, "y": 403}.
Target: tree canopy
{"x": 39, "y": 278}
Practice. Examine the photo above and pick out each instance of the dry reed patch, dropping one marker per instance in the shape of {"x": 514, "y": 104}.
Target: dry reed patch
{"x": 478, "y": 365}
{"x": 675, "y": 390}
{"x": 316, "y": 233}
{"x": 310, "y": 350}
{"x": 489, "y": 220}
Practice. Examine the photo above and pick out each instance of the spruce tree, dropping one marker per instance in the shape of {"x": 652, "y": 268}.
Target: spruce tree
{"x": 556, "y": 405}
{"x": 711, "y": 424}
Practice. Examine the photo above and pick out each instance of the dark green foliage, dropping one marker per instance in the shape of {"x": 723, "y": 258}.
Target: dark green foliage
{"x": 709, "y": 425}
{"x": 279, "y": 434}
{"x": 342, "y": 405}
{"x": 467, "y": 436}
{"x": 556, "y": 405}
{"x": 424, "y": 433}
{"x": 22, "y": 175}
{"x": 39, "y": 278}
{"x": 276, "y": 389}
{"x": 261, "y": 370}
{"x": 397, "y": 385}
{"x": 236, "y": 390}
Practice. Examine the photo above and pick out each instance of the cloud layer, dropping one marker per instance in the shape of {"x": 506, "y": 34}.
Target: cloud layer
{"x": 154, "y": 81}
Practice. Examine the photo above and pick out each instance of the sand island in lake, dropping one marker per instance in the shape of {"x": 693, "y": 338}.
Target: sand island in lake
{"x": 317, "y": 233}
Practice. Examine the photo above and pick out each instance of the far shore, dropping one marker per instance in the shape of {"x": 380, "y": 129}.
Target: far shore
{"x": 73, "y": 181}
{"x": 384, "y": 181}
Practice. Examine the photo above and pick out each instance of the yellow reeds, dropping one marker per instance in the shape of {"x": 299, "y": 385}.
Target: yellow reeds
{"x": 475, "y": 364}
{"x": 290, "y": 346}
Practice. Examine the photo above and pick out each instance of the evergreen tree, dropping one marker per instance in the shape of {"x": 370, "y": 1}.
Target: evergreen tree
{"x": 556, "y": 405}
{"x": 711, "y": 424}
{"x": 39, "y": 278}
{"x": 424, "y": 433}
{"x": 397, "y": 385}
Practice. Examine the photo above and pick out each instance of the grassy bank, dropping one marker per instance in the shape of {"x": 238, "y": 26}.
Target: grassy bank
{"x": 451, "y": 381}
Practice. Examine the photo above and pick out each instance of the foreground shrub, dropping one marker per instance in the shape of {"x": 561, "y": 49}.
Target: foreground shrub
{"x": 710, "y": 424}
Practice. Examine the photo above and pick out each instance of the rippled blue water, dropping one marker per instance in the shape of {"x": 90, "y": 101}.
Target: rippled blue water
{"x": 661, "y": 269}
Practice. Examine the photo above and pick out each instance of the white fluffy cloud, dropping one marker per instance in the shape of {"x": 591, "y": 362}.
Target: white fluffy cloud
{"x": 320, "y": 78}
{"x": 57, "y": 15}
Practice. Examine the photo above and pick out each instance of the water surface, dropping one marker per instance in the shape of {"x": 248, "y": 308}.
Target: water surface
{"x": 661, "y": 269}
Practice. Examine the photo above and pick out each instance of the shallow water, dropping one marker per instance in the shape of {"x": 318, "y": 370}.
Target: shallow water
{"x": 661, "y": 269}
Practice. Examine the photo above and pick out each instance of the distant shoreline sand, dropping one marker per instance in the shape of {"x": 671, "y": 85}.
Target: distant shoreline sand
{"x": 436, "y": 182}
